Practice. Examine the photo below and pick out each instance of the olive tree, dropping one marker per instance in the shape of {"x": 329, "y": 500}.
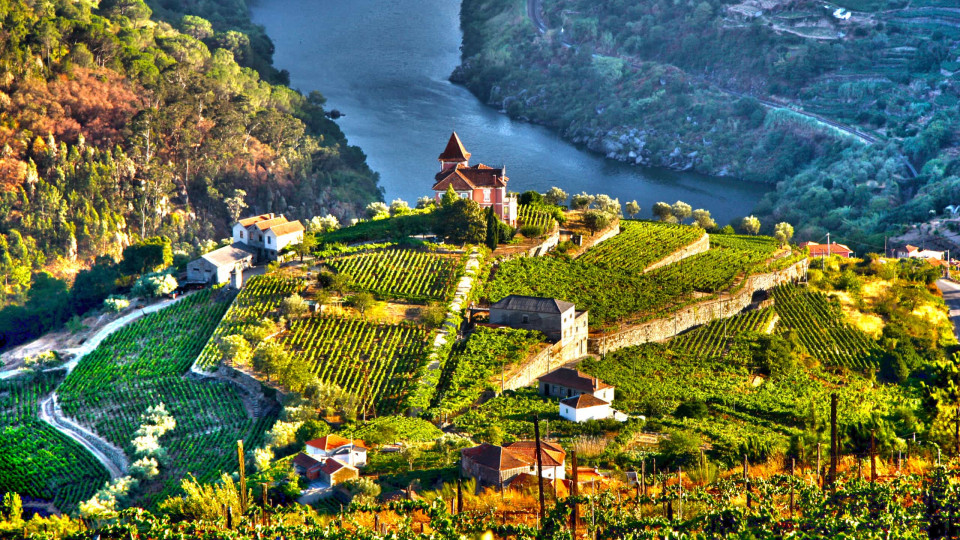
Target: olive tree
{"x": 633, "y": 208}
{"x": 664, "y": 212}
{"x": 750, "y": 224}
{"x": 703, "y": 219}
{"x": 556, "y": 196}
{"x": 783, "y": 232}
{"x": 681, "y": 210}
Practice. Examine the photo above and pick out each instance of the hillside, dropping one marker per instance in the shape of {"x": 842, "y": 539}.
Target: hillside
{"x": 838, "y": 112}
{"x": 118, "y": 126}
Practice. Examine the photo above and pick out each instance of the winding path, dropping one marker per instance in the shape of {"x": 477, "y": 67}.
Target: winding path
{"x": 112, "y": 458}
{"x": 535, "y": 13}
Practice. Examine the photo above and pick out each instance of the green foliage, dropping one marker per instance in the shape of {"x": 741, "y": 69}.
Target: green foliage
{"x": 405, "y": 274}
{"x": 390, "y": 429}
{"x": 460, "y": 221}
{"x": 639, "y": 244}
{"x": 469, "y": 369}
{"x": 148, "y": 255}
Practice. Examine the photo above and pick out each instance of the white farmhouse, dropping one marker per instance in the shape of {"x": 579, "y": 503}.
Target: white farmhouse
{"x": 267, "y": 234}
{"x": 585, "y": 407}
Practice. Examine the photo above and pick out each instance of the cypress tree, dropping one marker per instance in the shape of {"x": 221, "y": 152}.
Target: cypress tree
{"x": 493, "y": 229}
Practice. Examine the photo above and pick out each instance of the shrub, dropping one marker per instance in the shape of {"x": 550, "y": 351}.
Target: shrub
{"x": 531, "y": 231}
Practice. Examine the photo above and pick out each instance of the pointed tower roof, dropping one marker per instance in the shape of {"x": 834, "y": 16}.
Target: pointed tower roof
{"x": 454, "y": 150}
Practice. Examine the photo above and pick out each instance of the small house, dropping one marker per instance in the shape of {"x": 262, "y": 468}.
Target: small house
{"x": 827, "y": 250}
{"x": 307, "y": 466}
{"x": 585, "y": 407}
{"x": 352, "y": 452}
{"x": 568, "y": 382}
{"x": 267, "y": 234}
{"x": 558, "y": 320}
{"x": 215, "y": 267}
{"x": 498, "y": 465}
{"x": 336, "y": 472}
{"x": 913, "y": 252}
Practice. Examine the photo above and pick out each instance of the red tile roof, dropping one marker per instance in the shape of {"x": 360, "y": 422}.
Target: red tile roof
{"x": 833, "y": 248}
{"x": 465, "y": 178}
{"x": 287, "y": 228}
{"x": 333, "y": 441}
{"x": 552, "y": 454}
{"x": 584, "y": 401}
{"x": 454, "y": 150}
{"x": 269, "y": 223}
{"x": 334, "y": 465}
{"x": 246, "y": 222}
{"x": 572, "y": 378}
{"x": 305, "y": 461}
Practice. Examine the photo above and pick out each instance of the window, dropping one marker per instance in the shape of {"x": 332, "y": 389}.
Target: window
{"x": 268, "y": 239}
{"x": 465, "y": 195}
{"x": 241, "y": 235}
{"x": 486, "y": 195}
{"x": 525, "y": 319}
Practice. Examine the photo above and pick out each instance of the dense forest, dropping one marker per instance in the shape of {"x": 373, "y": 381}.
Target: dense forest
{"x": 117, "y": 125}
{"x": 742, "y": 90}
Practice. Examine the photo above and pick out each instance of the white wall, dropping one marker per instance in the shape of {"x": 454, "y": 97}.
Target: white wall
{"x": 598, "y": 412}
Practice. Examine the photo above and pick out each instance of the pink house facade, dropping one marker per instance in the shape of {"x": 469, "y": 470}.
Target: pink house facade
{"x": 487, "y": 186}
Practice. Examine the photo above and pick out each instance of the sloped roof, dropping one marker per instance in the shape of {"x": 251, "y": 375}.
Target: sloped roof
{"x": 333, "y": 441}
{"x": 246, "y": 222}
{"x": 305, "y": 461}
{"x": 516, "y": 302}
{"x": 527, "y": 481}
{"x": 463, "y": 178}
{"x": 226, "y": 256}
{"x": 824, "y": 249}
{"x": 572, "y": 378}
{"x": 292, "y": 227}
{"x": 552, "y": 454}
{"x": 494, "y": 457}
{"x": 333, "y": 465}
{"x": 583, "y": 401}
{"x": 454, "y": 150}
{"x": 269, "y": 223}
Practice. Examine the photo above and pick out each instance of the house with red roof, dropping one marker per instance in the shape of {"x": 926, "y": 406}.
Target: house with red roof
{"x": 487, "y": 186}
{"x": 267, "y": 234}
{"x": 336, "y": 472}
{"x": 307, "y": 466}
{"x": 914, "y": 252}
{"x": 568, "y": 382}
{"x": 494, "y": 465}
{"x": 827, "y": 250}
{"x": 351, "y": 452}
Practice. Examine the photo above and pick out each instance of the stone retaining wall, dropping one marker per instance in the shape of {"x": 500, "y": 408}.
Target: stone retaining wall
{"x": 697, "y": 246}
{"x": 696, "y": 314}
{"x": 543, "y": 362}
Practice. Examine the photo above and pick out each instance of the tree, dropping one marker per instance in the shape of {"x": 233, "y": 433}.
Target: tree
{"x": 410, "y": 454}
{"x": 703, "y": 220}
{"x": 154, "y": 285}
{"x": 783, "y": 232}
{"x": 449, "y": 196}
{"x": 460, "y": 221}
{"x": 493, "y": 229}
{"x": 608, "y": 205}
{"x": 378, "y": 210}
{"x": 530, "y": 197}
{"x": 555, "y": 196}
{"x": 633, "y": 208}
{"x": 680, "y": 448}
{"x": 235, "y": 350}
{"x": 235, "y": 204}
{"x": 146, "y": 256}
{"x": 426, "y": 202}
{"x": 750, "y": 225}
{"x": 399, "y": 207}
{"x": 293, "y": 306}
{"x": 341, "y": 283}
{"x": 305, "y": 246}
{"x": 311, "y": 429}
{"x": 681, "y": 210}
{"x": 12, "y": 507}
{"x": 663, "y": 212}
{"x": 596, "y": 220}
{"x": 270, "y": 358}
{"x": 434, "y": 314}
{"x": 581, "y": 201}
{"x": 322, "y": 298}
{"x": 362, "y": 301}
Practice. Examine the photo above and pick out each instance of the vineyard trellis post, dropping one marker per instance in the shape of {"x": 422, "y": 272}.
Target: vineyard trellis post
{"x": 834, "y": 447}
{"x": 243, "y": 477}
{"x": 536, "y": 434}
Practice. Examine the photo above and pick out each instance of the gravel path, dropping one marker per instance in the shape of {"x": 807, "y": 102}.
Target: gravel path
{"x": 110, "y": 456}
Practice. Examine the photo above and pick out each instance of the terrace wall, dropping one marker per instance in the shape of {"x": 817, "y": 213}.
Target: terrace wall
{"x": 696, "y": 314}
{"x": 699, "y": 245}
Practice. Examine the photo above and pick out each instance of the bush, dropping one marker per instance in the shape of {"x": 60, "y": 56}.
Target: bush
{"x": 694, "y": 408}
{"x": 115, "y": 304}
{"x": 154, "y": 285}
{"x": 530, "y": 197}
{"x": 531, "y": 231}
{"x": 680, "y": 448}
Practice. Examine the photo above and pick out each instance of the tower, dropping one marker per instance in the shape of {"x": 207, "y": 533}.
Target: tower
{"x": 454, "y": 155}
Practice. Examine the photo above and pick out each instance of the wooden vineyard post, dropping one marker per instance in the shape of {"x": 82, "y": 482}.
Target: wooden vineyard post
{"x": 574, "y": 493}
{"x": 536, "y": 434}
{"x": 703, "y": 469}
{"x": 680, "y": 493}
{"x": 263, "y": 488}
{"x": 793, "y": 474}
{"x": 643, "y": 477}
{"x": 818, "y": 465}
{"x": 459, "y": 494}
{"x": 834, "y": 446}
{"x": 243, "y": 477}
{"x": 956, "y": 432}
{"x": 873, "y": 457}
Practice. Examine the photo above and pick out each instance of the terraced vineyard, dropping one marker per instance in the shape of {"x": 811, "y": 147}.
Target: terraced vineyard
{"x": 819, "y": 325}
{"x": 36, "y": 460}
{"x": 376, "y": 362}
{"x": 260, "y": 295}
{"x": 405, "y": 274}
{"x": 536, "y": 216}
{"x": 144, "y": 364}
{"x": 713, "y": 339}
{"x": 761, "y": 244}
{"x": 641, "y": 243}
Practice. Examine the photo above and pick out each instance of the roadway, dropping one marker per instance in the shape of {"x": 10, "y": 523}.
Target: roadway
{"x": 951, "y": 295}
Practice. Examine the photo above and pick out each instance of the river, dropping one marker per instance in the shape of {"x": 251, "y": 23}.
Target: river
{"x": 385, "y": 63}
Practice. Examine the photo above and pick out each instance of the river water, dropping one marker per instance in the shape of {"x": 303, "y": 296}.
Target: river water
{"x": 385, "y": 63}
